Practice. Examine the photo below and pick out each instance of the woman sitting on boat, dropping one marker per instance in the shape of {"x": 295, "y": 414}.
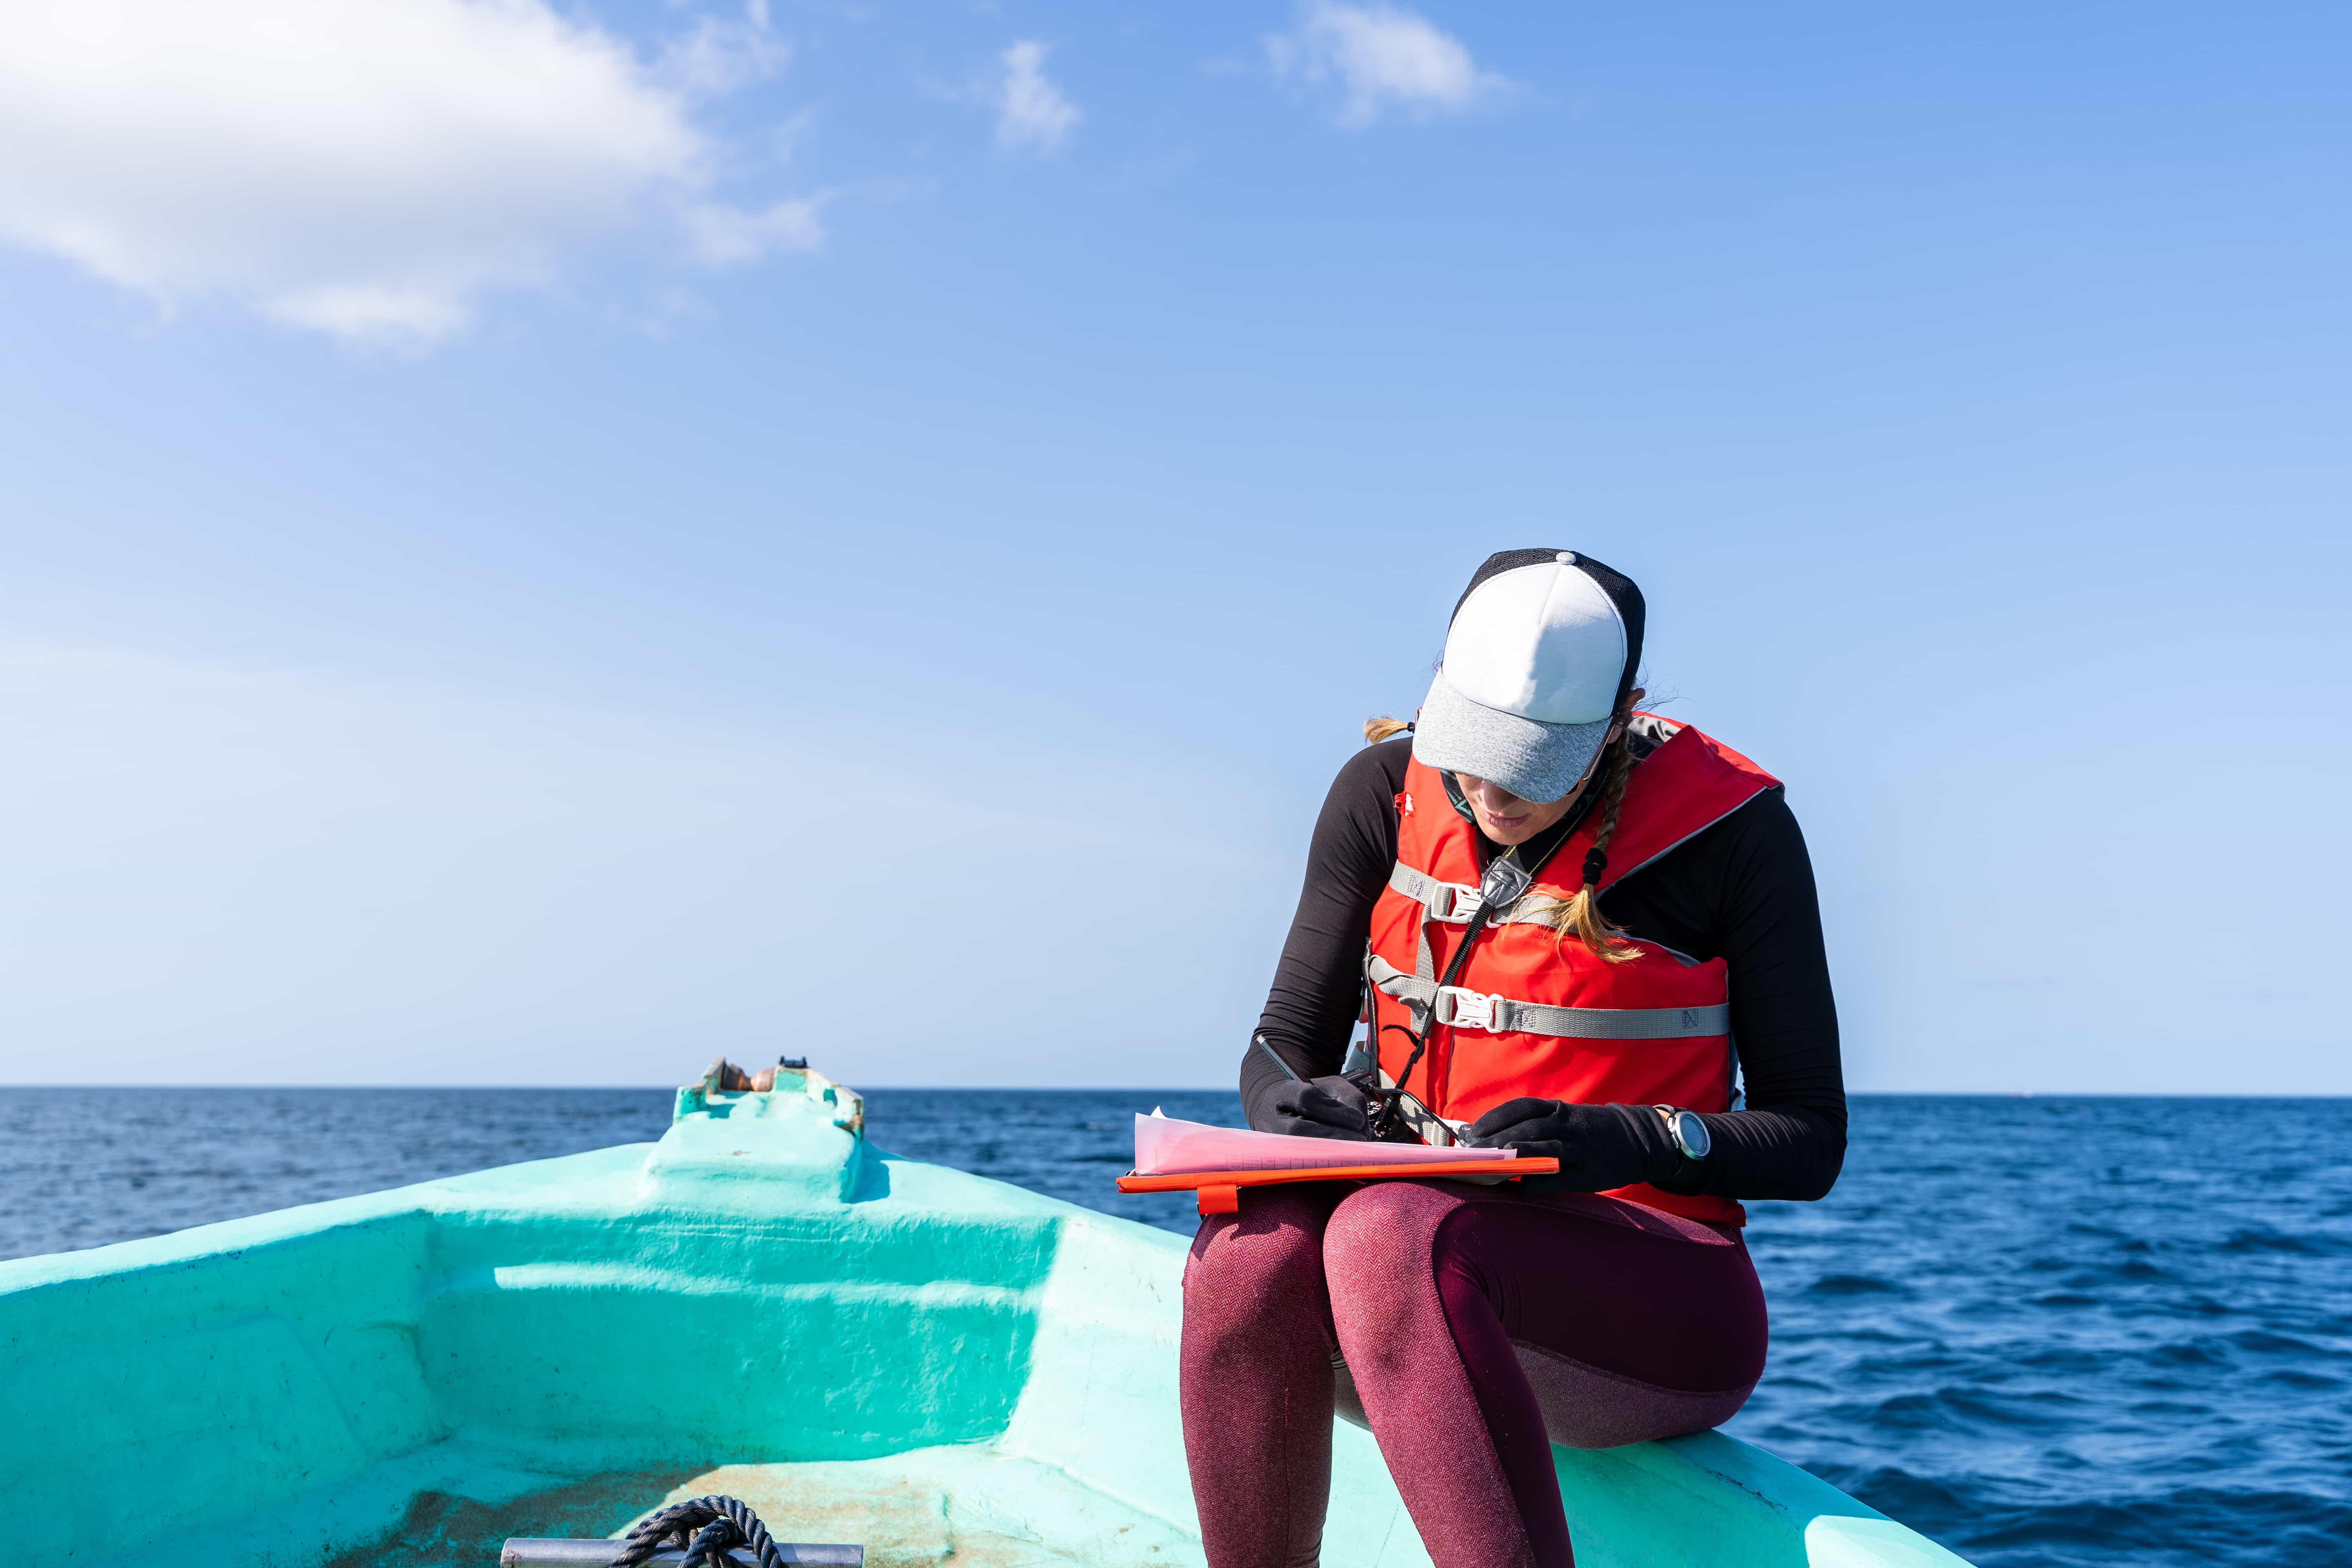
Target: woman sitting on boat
{"x": 1563, "y": 912}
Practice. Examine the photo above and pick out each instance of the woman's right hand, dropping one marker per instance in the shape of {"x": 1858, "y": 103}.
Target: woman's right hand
{"x": 1333, "y": 1107}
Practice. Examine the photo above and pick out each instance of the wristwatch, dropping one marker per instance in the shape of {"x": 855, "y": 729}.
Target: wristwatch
{"x": 1687, "y": 1131}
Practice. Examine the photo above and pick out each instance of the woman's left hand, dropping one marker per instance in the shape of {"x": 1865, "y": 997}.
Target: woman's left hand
{"x": 1598, "y": 1147}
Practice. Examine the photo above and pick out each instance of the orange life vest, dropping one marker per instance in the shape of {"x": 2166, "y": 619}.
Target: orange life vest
{"x": 1534, "y": 1010}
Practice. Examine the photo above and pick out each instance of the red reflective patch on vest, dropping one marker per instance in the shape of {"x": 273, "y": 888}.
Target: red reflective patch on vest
{"x": 1404, "y": 805}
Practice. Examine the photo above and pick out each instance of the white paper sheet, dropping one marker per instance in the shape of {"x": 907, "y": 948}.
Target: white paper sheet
{"x": 1165, "y": 1146}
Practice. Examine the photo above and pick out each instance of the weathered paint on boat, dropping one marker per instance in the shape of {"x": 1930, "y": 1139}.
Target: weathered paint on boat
{"x": 866, "y": 1348}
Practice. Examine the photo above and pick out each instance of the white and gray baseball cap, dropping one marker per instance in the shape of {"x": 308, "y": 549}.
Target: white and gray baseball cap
{"x": 1539, "y": 658}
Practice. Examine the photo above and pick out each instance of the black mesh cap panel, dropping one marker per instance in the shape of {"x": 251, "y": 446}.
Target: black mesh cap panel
{"x": 1621, "y": 589}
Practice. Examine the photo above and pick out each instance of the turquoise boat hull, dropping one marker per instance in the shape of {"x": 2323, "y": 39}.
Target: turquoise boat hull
{"x": 867, "y": 1349}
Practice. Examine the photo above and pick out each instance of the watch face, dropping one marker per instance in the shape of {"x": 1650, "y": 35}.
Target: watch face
{"x": 1691, "y": 1133}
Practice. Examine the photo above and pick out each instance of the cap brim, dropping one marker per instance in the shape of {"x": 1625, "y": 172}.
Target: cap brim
{"x": 1533, "y": 760}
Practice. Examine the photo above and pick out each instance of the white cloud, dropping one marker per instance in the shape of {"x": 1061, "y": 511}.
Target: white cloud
{"x": 1031, "y": 115}
{"x": 784, "y": 139}
{"x": 720, "y": 54}
{"x": 1383, "y": 60}
{"x": 726, "y": 235}
{"x": 367, "y": 168}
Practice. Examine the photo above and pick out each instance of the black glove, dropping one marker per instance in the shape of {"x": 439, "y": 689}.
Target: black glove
{"x": 1330, "y": 1107}
{"x": 1598, "y": 1147}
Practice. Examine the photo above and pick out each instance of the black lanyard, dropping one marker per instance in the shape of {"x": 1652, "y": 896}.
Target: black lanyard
{"x": 1510, "y": 886}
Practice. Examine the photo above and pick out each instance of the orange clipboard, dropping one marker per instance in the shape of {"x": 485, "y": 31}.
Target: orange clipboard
{"x": 1220, "y": 1192}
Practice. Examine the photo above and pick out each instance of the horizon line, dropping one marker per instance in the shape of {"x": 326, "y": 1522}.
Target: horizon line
{"x": 1118, "y": 1088}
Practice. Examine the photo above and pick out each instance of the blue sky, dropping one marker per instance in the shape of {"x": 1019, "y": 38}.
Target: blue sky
{"x": 542, "y": 545}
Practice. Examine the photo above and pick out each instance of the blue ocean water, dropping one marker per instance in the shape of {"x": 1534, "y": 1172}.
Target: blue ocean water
{"x": 2051, "y": 1333}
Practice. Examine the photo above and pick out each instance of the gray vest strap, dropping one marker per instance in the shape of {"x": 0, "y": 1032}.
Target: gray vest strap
{"x": 1464, "y": 1009}
{"x": 1455, "y": 902}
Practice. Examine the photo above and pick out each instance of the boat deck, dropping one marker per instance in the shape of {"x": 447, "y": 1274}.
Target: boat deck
{"x": 983, "y": 1508}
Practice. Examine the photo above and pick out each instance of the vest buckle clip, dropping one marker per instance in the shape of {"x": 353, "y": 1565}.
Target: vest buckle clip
{"x": 1458, "y": 1008}
{"x": 1453, "y": 902}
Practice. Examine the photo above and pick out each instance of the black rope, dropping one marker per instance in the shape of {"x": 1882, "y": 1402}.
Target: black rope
{"x": 708, "y": 1547}
{"x": 707, "y": 1528}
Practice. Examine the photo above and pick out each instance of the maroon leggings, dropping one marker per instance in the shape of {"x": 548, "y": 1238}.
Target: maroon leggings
{"x": 1479, "y": 1326}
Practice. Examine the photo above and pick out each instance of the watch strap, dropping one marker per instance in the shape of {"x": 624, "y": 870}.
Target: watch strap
{"x": 1671, "y": 1115}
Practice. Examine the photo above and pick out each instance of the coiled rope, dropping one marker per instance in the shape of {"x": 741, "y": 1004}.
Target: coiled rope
{"x": 707, "y": 1528}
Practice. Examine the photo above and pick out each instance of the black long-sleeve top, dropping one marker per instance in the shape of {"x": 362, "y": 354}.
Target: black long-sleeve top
{"x": 1742, "y": 890}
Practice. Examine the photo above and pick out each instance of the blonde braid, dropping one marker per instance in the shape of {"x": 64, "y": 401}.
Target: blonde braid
{"x": 1581, "y": 913}
{"x": 1378, "y": 730}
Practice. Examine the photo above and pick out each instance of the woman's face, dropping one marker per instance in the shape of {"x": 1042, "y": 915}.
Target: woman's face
{"x": 1504, "y": 816}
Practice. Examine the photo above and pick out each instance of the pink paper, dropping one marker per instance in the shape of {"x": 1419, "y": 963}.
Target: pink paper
{"x": 1165, "y": 1146}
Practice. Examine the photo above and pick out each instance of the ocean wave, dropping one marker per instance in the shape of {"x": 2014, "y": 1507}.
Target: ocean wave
{"x": 1855, "y": 1285}
{"x": 2268, "y": 1240}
